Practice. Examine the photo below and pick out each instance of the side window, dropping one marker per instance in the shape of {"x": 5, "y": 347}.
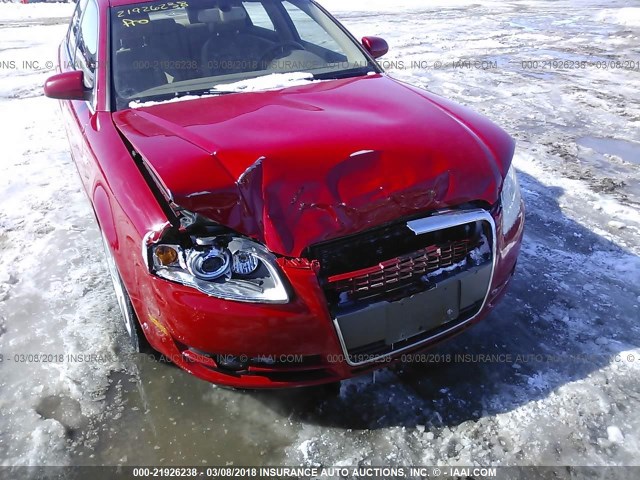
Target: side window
{"x": 87, "y": 43}
{"x": 308, "y": 29}
{"x": 258, "y": 15}
{"x": 74, "y": 29}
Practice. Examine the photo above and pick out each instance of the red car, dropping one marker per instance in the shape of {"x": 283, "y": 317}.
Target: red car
{"x": 276, "y": 210}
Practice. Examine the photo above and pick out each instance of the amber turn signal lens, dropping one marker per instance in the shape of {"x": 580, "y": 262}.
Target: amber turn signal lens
{"x": 166, "y": 255}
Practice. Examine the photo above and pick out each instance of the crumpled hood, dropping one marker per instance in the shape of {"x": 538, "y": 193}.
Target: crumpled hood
{"x": 299, "y": 166}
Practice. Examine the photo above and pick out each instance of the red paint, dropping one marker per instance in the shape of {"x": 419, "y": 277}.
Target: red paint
{"x": 278, "y": 167}
{"x": 376, "y": 46}
{"x": 66, "y": 86}
{"x": 308, "y": 188}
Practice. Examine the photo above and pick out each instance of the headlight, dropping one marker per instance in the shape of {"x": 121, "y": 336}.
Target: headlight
{"x": 209, "y": 264}
{"x": 223, "y": 266}
{"x": 511, "y": 200}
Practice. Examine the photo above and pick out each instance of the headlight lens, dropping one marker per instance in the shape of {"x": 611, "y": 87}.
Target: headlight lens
{"x": 511, "y": 200}
{"x": 244, "y": 263}
{"x": 224, "y": 266}
{"x": 209, "y": 264}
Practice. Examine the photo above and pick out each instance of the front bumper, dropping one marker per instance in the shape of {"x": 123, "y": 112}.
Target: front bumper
{"x": 292, "y": 345}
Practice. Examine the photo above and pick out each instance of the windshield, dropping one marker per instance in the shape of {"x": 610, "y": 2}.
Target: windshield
{"x": 163, "y": 50}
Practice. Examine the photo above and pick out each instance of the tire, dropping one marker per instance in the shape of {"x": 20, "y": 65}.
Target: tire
{"x": 131, "y": 324}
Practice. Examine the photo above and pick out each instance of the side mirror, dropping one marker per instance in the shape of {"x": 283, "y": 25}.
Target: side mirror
{"x": 376, "y": 46}
{"x": 67, "y": 86}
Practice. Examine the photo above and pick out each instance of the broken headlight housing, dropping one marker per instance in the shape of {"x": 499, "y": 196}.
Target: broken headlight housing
{"x": 223, "y": 266}
{"x": 511, "y": 199}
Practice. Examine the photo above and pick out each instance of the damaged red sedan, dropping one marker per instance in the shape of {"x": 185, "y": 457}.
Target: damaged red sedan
{"x": 276, "y": 210}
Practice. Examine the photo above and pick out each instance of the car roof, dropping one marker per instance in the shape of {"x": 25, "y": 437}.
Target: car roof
{"x": 120, "y": 3}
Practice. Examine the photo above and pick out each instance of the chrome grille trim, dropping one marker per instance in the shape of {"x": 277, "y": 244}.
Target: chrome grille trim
{"x": 433, "y": 223}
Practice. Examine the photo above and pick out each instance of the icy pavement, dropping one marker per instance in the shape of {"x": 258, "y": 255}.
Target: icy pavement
{"x": 551, "y": 378}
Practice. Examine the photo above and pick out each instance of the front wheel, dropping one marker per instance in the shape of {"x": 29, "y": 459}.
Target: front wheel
{"x": 131, "y": 323}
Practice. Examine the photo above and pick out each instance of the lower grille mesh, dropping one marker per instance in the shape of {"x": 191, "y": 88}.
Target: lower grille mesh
{"x": 400, "y": 271}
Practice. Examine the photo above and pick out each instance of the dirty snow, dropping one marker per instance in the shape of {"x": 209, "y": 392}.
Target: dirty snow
{"x": 551, "y": 377}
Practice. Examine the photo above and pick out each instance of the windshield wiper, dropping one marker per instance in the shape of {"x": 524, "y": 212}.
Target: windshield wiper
{"x": 348, "y": 73}
{"x": 163, "y": 97}
{"x": 220, "y": 92}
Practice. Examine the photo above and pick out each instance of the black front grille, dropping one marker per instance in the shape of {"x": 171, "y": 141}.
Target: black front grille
{"x": 390, "y": 262}
{"x": 399, "y": 272}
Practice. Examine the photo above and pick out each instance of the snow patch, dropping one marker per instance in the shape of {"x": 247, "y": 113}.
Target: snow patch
{"x": 615, "y": 434}
{"x": 275, "y": 81}
{"x": 629, "y": 16}
{"x": 184, "y": 98}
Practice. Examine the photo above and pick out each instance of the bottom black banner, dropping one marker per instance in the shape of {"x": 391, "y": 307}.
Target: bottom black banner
{"x": 318, "y": 472}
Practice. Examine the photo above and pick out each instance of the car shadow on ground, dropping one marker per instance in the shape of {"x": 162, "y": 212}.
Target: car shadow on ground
{"x": 563, "y": 318}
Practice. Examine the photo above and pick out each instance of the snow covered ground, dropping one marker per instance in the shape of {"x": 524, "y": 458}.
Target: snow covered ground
{"x": 553, "y": 376}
